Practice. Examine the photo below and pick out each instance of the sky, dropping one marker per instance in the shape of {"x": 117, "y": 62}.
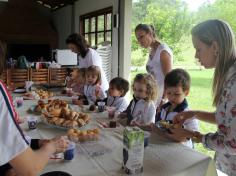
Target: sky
{"x": 195, "y": 4}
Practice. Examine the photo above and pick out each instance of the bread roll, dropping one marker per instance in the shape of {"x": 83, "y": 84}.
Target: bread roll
{"x": 55, "y": 112}
{"x": 81, "y": 122}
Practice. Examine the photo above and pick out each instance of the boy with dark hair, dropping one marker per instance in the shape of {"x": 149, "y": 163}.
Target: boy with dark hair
{"x": 177, "y": 86}
{"x": 118, "y": 87}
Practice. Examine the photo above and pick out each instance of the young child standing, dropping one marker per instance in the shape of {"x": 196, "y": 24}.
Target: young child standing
{"x": 177, "y": 86}
{"x": 118, "y": 87}
{"x": 92, "y": 88}
{"x": 142, "y": 110}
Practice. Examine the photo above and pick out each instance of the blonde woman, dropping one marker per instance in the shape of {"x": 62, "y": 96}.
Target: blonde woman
{"x": 160, "y": 58}
{"x": 215, "y": 48}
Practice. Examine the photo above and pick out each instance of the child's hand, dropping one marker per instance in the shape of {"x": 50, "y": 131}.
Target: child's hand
{"x": 122, "y": 115}
{"x": 123, "y": 122}
{"x": 132, "y": 123}
{"x": 135, "y": 123}
{"x": 80, "y": 103}
{"x": 80, "y": 94}
{"x": 75, "y": 93}
{"x": 69, "y": 82}
{"x": 97, "y": 92}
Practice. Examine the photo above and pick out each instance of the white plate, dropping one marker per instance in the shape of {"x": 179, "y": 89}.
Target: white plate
{"x": 56, "y": 126}
{"x": 44, "y": 120}
{"x": 19, "y": 91}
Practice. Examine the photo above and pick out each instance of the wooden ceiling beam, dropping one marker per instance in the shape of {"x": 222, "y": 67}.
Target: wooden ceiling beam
{"x": 55, "y": 4}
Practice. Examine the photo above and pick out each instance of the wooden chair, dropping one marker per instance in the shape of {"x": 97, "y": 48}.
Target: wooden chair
{"x": 18, "y": 77}
{"x": 3, "y": 77}
{"x": 39, "y": 76}
{"x": 58, "y": 76}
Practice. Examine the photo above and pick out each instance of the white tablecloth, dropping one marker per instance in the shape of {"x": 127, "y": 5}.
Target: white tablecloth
{"x": 161, "y": 157}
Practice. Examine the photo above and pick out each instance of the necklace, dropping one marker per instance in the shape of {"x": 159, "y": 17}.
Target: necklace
{"x": 153, "y": 49}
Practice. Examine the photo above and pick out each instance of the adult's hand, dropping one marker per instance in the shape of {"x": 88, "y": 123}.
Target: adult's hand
{"x": 60, "y": 143}
{"x": 180, "y": 134}
{"x": 180, "y": 118}
{"x": 23, "y": 165}
{"x": 177, "y": 135}
{"x": 156, "y": 130}
{"x": 43, "y": 142}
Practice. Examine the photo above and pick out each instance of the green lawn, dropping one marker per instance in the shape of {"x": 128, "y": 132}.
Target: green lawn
{"x": 200, "y": 98}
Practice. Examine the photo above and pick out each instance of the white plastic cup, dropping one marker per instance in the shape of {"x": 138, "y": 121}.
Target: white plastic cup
{"x": 32, "y": 122}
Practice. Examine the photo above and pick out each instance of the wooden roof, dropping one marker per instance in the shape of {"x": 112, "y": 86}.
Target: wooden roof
{"x": 55, "y": 4}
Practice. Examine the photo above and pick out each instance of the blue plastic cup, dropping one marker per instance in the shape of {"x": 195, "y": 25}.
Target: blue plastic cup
{"x": 70, "y": 152}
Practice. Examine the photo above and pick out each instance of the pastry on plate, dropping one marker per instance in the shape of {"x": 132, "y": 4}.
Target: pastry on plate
{"x": 76, "y": 135}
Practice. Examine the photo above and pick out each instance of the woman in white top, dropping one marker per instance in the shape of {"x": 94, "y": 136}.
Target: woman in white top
{"x": 15, "y": 151}
{"x": 160, "y": 57}
{"x": 86, "y": 56}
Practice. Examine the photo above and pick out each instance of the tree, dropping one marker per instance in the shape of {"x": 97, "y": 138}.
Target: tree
{"x": 170, "y": 18}
{"x": 220, "y": 9}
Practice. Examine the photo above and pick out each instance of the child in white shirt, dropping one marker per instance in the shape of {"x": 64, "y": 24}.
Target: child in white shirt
{"x": 177, "y": 86}
{"x": 118, "y": 87}
{"x": 92, "y": 88}
{"x": 142, "y": 110}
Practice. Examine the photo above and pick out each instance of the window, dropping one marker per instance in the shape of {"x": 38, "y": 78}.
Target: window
{"x": 96, "y": 27}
